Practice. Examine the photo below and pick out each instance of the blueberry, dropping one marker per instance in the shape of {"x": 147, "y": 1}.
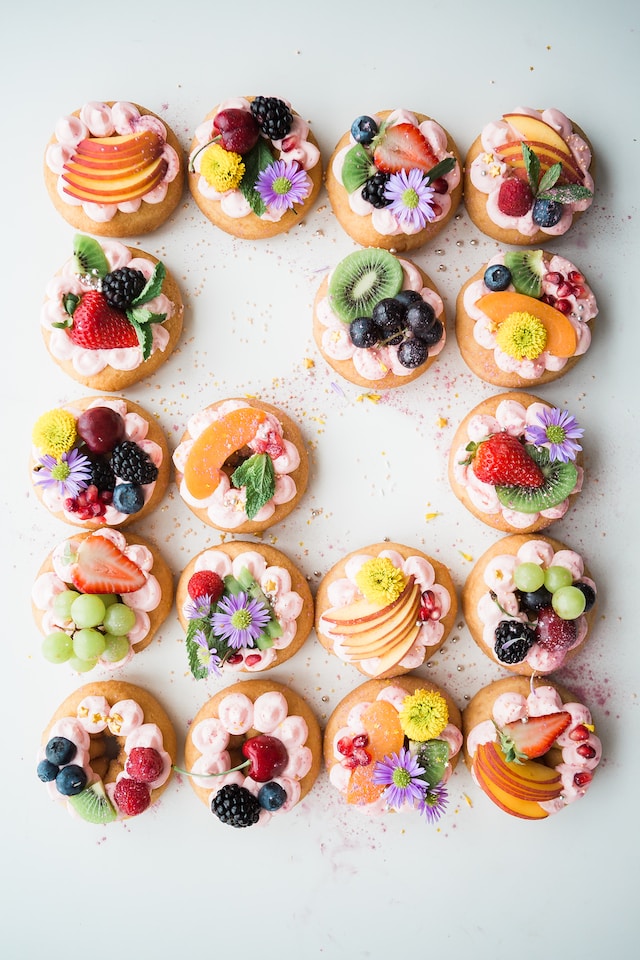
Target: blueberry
{"x": 413, "y": 352}
{"x": 407, "y": 297}
{"x": 59, "y": 750}
{"x": 497, "y": 277}
{"x": 71, "y": 780}
{"x": 546, "y": 213}
{"x": 433, "y": 334}
{"x": 47, "y": 771}
{"x": 128, "y": 498}
{"x": 390, "y": 315}
{"x": 364, "y": 129}
{"x": 271, "y": 795}
{"x": 589, "y": 594}
{"x": 364, "y": 332}
{"x": 420, "y": 318}
{"x": 535, "y": 599}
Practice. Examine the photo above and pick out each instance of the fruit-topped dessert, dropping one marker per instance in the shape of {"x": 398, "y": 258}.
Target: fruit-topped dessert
{"x": 112, "y": 314}
{"x": 515, "y": 462}
{"x": 114, "y": 169}
{"x": 378, "y": 320}
{"x": 253, "y": 752}
{"x": 524, "y": 318}
{"x": 528, "y": 176}
{"x": 393, "y": 745}
{"x": 99, "y": 462}
{"x": 394, "y": 180}
{"x": 385, "y": 608}
{"x": 529, "y": 603}
{"x": 530, "y": 746}
{"x": 241, "y": 465}
{"x": 254, "y": 167}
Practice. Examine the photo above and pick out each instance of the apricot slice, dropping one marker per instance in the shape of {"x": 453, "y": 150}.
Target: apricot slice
{"x": 216, "y": 443}
{"x": 380, "y": 720}
{"x": 561, "y": 337}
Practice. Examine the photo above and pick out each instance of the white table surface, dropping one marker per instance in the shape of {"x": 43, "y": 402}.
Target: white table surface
{"x": 325, "y": 881}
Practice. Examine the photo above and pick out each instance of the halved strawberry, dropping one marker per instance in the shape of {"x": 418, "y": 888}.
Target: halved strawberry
{"x": 528, "y": 739}
{"x": 403, "y": 147}
{"x": 501, "y": 460}
{"x": 101, "y": 568}
{"x": 98, "y": 326}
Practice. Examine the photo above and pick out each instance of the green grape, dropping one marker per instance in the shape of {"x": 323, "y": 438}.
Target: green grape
{"x": 556, "y": 577}
{"x": 81, "y": 666}
{"x": 62, "y": 604}
{"x": 107, "y": 598}
{"x": 88, "y": 644}
{"x": 116, "y": 648}
{"x": 568, "y": 602}
{"x": 528, "y": 577}
{"x": 57, "y": 647}
{"x": 119, "y": 619}
{"x": 87, "y": 610}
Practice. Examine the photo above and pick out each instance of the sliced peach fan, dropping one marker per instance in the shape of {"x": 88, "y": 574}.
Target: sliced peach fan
{"x": 381, "y": 724}
{"x": 561, "y": 336}
{"x": 221, "y": 439}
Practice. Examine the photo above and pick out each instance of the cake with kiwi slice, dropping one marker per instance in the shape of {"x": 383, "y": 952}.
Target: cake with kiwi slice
{"x": 394, "y": 179}
{"x": 525, "y": 318}
{"x": 516, "y": 462}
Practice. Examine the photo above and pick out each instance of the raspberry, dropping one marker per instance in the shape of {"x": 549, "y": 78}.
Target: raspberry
{"x": 144, "y": 764}
{"x": 131, "y": 796}
{"x": 205, "y": 583}
{"x": 514, "y": 197}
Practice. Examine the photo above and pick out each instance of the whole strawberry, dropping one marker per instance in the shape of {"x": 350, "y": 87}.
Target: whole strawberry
{"x": 97, "y": 326}
{"x": 501, "y": 460}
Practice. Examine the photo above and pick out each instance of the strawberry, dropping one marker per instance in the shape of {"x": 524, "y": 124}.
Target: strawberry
{"x": 101, "y": 568}
{"x": 554, "y": 633}
{"x": 501, "y": 460}
{"x": 403, "y": 147}
{"x": 514, "y": 197}
{"x": 97, "y": 326}
{"x": 528, "y": 739}
{"x": 205, "y": 583}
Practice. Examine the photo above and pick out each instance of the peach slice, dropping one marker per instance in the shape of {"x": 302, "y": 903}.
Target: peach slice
{"x": 128, "y": 145}
{"x": 363, "y": 614}
{"x": 380, "y": 721}
{"x": 533, "y": 128}
{"x": 561, "y": 337}
{"x": 517, "y": 788}
{"x": 511, "y": 153}
{"x": 112, "y": 189}
{"x": 216, "y": 443}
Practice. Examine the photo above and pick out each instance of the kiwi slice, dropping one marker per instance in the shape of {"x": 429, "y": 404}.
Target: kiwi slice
{"x": 93, "y": 804}
{"x": 559, "y": 480}
{"x": 361, "y": 280}
{"x": 357, "y": 168}
{"x": 527, "y": 270}
{"x": 89, "y": 257}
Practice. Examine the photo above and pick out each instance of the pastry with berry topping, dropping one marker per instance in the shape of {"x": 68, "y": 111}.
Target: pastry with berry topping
{"x": 108, "y": 752}
{"x": 253, "y": 752}
{"x": 379, "y": 321}
{"x": 394, "y": 180}
{"x": 244, "y": 608}
{"x": 516, "y": 463}
{"x": 255, "y": 168}
{"x": 99, "y": 462}
{"x": 529, "y": 604}
{"x": 241, "y": 465}
{"x": 524, "y": 318}
{"x": 385, "y": 608}
{"x": 530, "y": 746}
{"x": 528, "y": 176}
{"x": 112, "y": 314}
{"x": 392, "y": 745}
{"x": 114, "y": 169}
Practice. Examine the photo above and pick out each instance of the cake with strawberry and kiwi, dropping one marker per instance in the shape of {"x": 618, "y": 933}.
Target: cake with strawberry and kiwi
{"x": 394, "y": 180}
{"x": 524, "y": 318}
{"x": 241, "y": 465}
{"x": 378, "y": 320}
{"x": 253, "y": 752}
{"x": 530, "y": 745}
{"x": 254, "y": 168}
{"x": 99, "y": 462}
{"x": 516, "y": 463}
{"x": 529, "y": 603}
{"x": 99, "y": 598}
{"x": 107, "y": 753}
{"x": 528, "y": 176}
{"x": 112, "y": 314}
{"x": 392, "y": 745}
{"x": 114, "y": 169}
{"x": 244, "y": 607}
{"x": 385, "y": 608}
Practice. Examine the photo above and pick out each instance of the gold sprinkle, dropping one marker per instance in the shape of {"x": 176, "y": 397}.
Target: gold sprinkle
{"x": 442, "y": 422}
{"x": 468, "y": 800}
{"x": 431, "y": 516}
{"x": 465, "y": 556}
{"x": 309, "y": 363}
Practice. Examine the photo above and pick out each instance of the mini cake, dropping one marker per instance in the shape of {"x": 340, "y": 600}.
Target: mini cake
{"x": 254, "y": 167}
{"x": 114, "y": 169}
{"x": 253, "y": 752}
{"x": 524, "y": 318}
{"x": 108, "y": 751}
{"x": 378, "y": 320}
{"x": 99, "y": 462}
{"x": 515, "y": 462}
{"x": 241, "y": 465}
{"x": 394, "y": 180}
{"x": 99, "y": 599}
{"x": 527, "y": 176}
{"x": 111, "y": 315}
{"x": 392, "y": 746}
{"x": 385, "y": 608}
{"x": 244, "y": 607}
{"x": 530, "y": 746}
{"x": 528, "y": 603}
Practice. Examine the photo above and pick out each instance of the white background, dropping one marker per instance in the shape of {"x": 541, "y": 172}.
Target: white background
{"x": 324, "y": 881}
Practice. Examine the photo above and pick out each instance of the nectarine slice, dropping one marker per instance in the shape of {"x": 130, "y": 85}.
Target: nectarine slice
{"x": 380, "y": 721}
{"x": 364, "y": 615}
{"x": 215, "y": 444}
{"x": 532, "y": 128}
{"x": 561, "y": 337}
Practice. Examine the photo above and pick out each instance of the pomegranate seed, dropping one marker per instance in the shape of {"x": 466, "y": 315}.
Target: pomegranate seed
{"x": 361, "y": 740}
{"x": 361, "y": 756}
{"x": 586, "y": 750}
{"x": 553, "y": 277}
{"x": 429, "y": 606}
{"x": 578, "y": 290}
{"x": 564, "y": 306}
{"x": 440, "y": 185}
{"x": 106, "y": 496}
{"x": 582, "y": 779}
{"x": 97, "y": 510}
{"x": 70, "y": 504}
{"x": 288, "y": 144}
{"x": 350, "y": 763}
{"x": 579, "y": 733}
{"x": 437, "y": 209}
{"x": 565, "y": 290}
{"x": 548, "y": 298}
{"x": 235, "y": 658}
{"x": 253, "y": 659}
{"x": 575, "y": 276}
{"x": 345, "y": 746}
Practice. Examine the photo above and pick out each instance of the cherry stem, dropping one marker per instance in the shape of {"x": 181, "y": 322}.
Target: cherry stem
{"x": 199, "y": 150}
{"x": 190, "y": 773}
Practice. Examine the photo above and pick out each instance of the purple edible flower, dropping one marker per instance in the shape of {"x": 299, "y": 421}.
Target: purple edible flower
{"x": 240, "y": 620}
{"x": 557, "y": 430}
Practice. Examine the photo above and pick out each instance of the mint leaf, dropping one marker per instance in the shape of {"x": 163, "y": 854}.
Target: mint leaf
{"x": 152, "y": 287}
{"x": 257, "y": 160}
{"x": 550, "y": 178}
{"x": 142, "y": 315}
{"x": 258, "y": 477}
{"x": 145, "y": 337}
{"x": 197, "y": 669}
{"x": 433, "y": 757}
{"x": 445, "y": 166}
{"x": 532, "y": 166}
{"x": 566, "y": 194}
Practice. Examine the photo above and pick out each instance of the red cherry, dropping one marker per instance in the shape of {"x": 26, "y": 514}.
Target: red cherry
{"x": 101, "y": 428}
{"x": 238, "y": 130}
{"x": 579, "y": 733}
{"x": 268, "y": 757}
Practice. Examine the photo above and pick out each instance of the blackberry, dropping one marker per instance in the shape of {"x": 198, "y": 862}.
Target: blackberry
{"x": 272, "y": 116}
{"x": 513, "y": 641}
{"x": 373, "y": 190}
{"x": 121, "y": 287}
{"x": 236, "y": 806}
{"x": 102, "y": 476}
{"x": 131, "y": 463}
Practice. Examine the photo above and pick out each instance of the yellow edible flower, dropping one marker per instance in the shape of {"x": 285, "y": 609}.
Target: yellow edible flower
{"x": 522, "y": 336}
{"x": 55, "y": 432}
{"x": 423, "y": 715}
{"x": 379, "y": 581}
{"x": 222, "y": 169}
